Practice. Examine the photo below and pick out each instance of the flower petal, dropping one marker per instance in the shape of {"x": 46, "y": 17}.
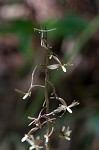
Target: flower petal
{"x": 74, "y": 104}
{"x": 54, "y": 66}
{"x": 50, "y": 57}
{"x": 32, "y": 147}
{"x": 67, "y": 138}
{"x": 24, "y": 138}
{"x": 69, "y": 110}
{"x": 56, "y": 58}
{"x": 63, "y": 128}
{"x": 46, "y": 138}
{"x": 26, "y": 95}
{"x": 63, "y": 68}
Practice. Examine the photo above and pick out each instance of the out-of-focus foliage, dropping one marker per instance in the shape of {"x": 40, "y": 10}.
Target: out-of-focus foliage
{"x": 21, "y": 28}
{"x": 69, "y": 25}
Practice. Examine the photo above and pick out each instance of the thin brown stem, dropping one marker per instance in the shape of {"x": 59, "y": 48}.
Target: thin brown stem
{"x": 46, "y": 89}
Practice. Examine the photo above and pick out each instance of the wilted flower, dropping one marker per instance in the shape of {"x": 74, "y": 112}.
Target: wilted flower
{"x": 35, "y": 143}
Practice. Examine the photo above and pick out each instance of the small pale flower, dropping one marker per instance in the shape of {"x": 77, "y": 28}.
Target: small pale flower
{"x": 65, "y": 133}
{"x": 61, "y": 65}
{"x": 63, "y": 106}
{"x": 34, "y": 143}
{"x": 56, "y": 66}
{"x": 32, "y": 85}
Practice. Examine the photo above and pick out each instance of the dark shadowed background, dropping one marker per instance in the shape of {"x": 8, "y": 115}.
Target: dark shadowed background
{"x": 75, "y": 40}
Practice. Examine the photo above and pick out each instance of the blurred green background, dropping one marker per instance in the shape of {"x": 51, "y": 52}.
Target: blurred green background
{"x": 75, "y": 40}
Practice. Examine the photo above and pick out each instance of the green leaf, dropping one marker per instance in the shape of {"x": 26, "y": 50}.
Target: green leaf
{"x": 68, "y": 25}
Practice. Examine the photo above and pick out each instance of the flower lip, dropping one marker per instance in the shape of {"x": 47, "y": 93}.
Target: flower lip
{"x": 56, "y": 66}
{"x": 69, "y": 110}
{"x": 53, "y": 67}
{"x": 24, "y": 138}
{"x": 26, "y": 95}
{"x": 63, "y": 68}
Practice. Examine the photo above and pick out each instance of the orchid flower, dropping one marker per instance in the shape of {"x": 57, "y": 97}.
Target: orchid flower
{"x": 28, "y": 94}
{"x": 65, "y": 133}
{"x": 32, "y": 85}
{"x": 63, "y": 106}
{"x": 34, "y": 143}
{"x": 56, "y": 66}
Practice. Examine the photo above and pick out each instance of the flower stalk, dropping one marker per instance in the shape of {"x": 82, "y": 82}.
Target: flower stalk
{"x": 46, "y": 89}
{"x": 36, "y": 123}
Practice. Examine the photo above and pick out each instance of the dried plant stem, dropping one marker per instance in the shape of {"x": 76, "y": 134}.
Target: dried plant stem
{"x": 46, "y": 91}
